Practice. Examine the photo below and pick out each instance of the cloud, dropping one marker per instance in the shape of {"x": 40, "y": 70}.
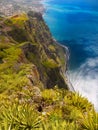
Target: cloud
{"x": 85, "y": 80}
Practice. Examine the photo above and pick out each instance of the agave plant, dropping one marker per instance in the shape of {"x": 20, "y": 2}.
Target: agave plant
{"x": 50, "y": 96}
{"x": 76, "y": 100}
{"x": 58, "y": 125}
{"x": 19, "y": 117}
{"x": 90, "y": 121}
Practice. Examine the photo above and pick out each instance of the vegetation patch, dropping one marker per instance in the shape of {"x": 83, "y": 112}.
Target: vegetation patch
{"x": 19, "y": 19}
{"x": 50, "y": 63}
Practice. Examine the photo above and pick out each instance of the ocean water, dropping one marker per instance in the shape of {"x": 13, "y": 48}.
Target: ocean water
{"x": 74, "y": 23}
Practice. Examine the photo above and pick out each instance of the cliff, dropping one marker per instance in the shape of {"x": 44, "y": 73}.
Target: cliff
{"x": 27, "y": 45}
{"x": 33, "y": 89}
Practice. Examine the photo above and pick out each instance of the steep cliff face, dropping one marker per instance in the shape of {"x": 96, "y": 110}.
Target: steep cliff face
{"x": 30, "y": 62}
{"x": 28, "y": 54}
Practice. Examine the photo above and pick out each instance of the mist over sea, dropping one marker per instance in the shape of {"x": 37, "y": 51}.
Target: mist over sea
{"x": 74, "y": 23}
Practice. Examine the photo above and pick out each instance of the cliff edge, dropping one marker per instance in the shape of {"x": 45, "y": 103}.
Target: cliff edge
{"x": 28, "y": 51}
{"x": 30, "y": 62}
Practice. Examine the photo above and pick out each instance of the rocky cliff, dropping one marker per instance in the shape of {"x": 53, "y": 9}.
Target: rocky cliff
{"x": 29, "y": 54}
{"x": 30, "y": 62}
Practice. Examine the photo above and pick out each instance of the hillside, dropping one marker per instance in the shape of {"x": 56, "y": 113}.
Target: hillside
{"x": 26, "y": 45}
{"x": 33, "y": 88}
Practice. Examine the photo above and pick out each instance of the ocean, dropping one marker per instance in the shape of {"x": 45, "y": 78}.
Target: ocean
{"x": 74, "y": 23}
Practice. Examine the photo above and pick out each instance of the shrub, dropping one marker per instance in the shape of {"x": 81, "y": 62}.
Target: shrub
{"x": 17, "y": 117}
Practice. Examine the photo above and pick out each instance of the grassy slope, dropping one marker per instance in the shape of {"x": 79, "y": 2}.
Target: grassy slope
{"x": 29, "y": 63}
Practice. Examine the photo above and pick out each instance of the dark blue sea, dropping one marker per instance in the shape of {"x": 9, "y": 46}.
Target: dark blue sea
{"x": 74, "y": 23}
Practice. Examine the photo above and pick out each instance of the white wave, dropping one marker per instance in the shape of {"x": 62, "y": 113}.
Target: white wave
{"x": 85, "y": 80}
{"x": 92, "y": 49}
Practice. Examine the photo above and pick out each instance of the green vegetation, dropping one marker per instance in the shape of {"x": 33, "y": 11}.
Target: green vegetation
{"x": 19, "y": 19}
{"x": 50, "y": 63}
{"x": 52, "y": 48}
{"x": 31, "y": 62}
{"x": 56, "y": 114}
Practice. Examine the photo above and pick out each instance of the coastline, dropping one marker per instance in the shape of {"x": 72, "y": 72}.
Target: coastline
{"x": 82, "y": 45}
{"x": 65, "y": 72}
